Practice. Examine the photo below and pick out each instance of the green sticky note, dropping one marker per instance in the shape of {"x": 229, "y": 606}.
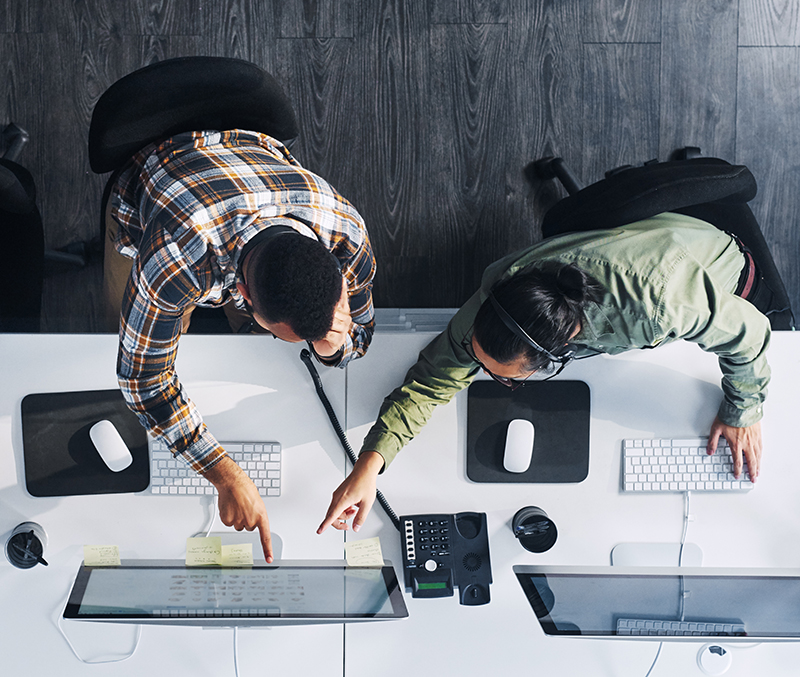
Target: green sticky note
{"x": 240, "y": 555}
{"x": 364, "y": 553}
{"x": 203, "y": 551}
{"x": 101, "y": 555}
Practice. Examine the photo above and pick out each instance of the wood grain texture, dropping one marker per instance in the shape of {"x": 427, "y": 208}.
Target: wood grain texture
{"x": 241, "y": 29}
{"x": 620, "y": 106}
{"x": 468, "y": 115}
{"x": 698, "y": 77}
{"x": 22, "y": 16}
{"x": 768, "y": 142}
{"x": 468, "y": 11}
{"x": 393, "y": 59}
{"x": 769, "y": 23}
{"x": 545, "y": 93}
{"x": 321, "y": 81}
{"x": 621, "y": 21}
{"x": 170, "y": 17}
{"x": 424, "y": 114}
{"x": 315, "y": 18}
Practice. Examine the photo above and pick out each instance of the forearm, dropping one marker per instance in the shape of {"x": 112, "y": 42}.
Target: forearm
{"x": 438, "y": 375}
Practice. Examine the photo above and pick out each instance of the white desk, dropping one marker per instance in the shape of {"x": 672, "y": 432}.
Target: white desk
{"x": 667, "y": 392}
{"x": 260, "y": 390}
{"x": 264, "y": 390}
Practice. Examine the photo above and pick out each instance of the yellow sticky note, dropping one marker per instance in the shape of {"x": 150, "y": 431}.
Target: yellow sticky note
{"x": 101, "y": 555}
{"x": 203, "y": 551}
{"x": 237, "y": 555}
{"x": 364, "y": 553}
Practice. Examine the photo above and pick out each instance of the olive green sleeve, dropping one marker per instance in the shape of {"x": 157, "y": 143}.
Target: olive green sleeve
{"x": 443, "y": 369}
{"x": 696, "y": 308}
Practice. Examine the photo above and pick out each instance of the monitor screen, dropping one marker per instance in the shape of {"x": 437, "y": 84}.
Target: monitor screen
{"x": 172, "y": 593}
{"x": 667, "y": 602}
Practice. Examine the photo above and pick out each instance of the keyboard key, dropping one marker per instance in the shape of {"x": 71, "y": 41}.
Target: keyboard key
{"x": 258, "y": 459}
{"x": 678, "y": 465}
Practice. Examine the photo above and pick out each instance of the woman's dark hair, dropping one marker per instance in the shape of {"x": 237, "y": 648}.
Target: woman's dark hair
{"x": 296, "y": 280}
{"x": 547, "y": 302}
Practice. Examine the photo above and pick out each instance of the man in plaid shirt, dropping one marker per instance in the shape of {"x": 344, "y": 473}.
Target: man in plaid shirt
{"x": 228, "y": 219}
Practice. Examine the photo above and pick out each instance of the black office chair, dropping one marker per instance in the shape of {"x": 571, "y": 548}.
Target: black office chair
{"x": 184, "y": 95}
{"x": 22, "y": 272}
{"x": 706, "y": 188}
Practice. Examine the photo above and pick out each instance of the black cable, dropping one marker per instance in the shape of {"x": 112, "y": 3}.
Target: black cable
{"x": 305, "y": 356}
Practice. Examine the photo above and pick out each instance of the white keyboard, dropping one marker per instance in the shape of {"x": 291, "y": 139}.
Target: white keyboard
{"x": 260, "y": 460}
{"x": 639, "y": 627}
{"x": 679, "y": 465}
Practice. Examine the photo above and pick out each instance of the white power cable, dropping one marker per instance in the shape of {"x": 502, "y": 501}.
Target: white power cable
{"x": 680, "y": 563}
{"x": 97, "y": 661}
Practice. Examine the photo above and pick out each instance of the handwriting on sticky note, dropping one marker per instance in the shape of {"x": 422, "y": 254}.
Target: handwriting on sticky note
{"x": 203, "y": 551}
{"x": 237, "y": 555}
{"x": 101, "y": 555}
{"x": 364, "y": 553}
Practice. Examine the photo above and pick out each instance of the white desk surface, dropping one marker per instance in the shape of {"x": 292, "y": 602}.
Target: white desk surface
{"x": 253, "y": 388}
{"x": 264, "y": 390}
{"x": 669, "y": 392}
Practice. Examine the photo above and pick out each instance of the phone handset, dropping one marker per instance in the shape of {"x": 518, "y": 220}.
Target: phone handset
{"x": 442, "y": 552}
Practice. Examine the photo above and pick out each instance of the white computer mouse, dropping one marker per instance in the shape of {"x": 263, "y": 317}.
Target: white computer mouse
{"x": 110, "y": 446}
{"x": 519, "y": 445}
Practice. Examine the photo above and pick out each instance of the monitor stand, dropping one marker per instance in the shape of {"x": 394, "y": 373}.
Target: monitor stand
{"x": 655, "y": 555}
{"x": 712, "y": 659}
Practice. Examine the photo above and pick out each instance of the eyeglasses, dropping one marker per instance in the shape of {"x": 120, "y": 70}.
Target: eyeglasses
{"x": 557, "y": 362}
{"x": 512, "y": 383}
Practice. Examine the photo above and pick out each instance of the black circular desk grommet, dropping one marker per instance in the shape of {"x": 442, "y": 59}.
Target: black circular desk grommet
{"x": 25, "y": 546}
{"x": 535, "y": 531}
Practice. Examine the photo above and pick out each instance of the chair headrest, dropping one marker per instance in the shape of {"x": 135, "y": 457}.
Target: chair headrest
{"x": 184, "y": 95}
{"x": 642, "y": 192}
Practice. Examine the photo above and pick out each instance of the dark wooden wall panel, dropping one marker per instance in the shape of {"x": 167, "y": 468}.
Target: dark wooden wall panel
{"x": 468, "y": 11}
{"x": 425, "y": 113}
{"x": 315, "y": 18}
{"x": 545, "y": 98}
{"x": 620, "y": 106}
{"x": 241, "y": 29}
{"x": 622, "y": 21}
{"x": 768, "y": 141}
{"x": 394, "y": 61}
{"x": 769, "y": 22}
{"x": 468, "y": 117}
{"x": 698, "y": 77}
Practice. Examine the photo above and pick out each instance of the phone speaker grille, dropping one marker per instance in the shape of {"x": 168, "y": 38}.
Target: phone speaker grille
{"x": 472, "y": 561}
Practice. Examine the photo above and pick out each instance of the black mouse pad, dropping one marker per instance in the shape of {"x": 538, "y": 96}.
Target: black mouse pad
{"x": 60, "y": 459}
{"x": 559, "y": 411}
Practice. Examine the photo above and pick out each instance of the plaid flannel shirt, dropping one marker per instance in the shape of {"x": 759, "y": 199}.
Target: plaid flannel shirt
{"x": 186, "y": 209}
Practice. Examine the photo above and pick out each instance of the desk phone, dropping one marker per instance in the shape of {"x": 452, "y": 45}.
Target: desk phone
{"x": 441, "y": 552}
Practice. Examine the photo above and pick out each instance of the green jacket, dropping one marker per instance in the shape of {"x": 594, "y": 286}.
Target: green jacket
{"x": 665, "y": 278}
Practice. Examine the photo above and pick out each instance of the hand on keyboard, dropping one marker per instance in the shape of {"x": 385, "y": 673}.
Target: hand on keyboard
{"x": 240, "y": 504}
{"x": 742, "y": 441}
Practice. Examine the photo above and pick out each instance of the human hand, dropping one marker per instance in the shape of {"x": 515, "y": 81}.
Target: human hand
{"x": 240, "y": 504}
{"x": 742, "y": 441}
{"x": 354, "y": 496}
{"x": 337, "y": 335}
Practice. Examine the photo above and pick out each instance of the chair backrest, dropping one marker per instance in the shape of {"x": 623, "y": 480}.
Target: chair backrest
{"x": 707, "y": 188}
{"x": 183, "y": 95}
{"x": 638, "y": 193}
{"x": 22, "y": 272}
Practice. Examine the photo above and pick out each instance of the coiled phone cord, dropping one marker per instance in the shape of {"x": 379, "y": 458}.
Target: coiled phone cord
{"x": 305, "y": 356}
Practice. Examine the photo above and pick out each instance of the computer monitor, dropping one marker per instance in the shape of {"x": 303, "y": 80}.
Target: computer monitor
{"x": 716, "y": 604}
{"x": 284, "y": 593}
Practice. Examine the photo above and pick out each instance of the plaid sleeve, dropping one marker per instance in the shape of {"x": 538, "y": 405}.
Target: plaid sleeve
{"x": 149, "y": 333}
{"x": 359, "y": 271}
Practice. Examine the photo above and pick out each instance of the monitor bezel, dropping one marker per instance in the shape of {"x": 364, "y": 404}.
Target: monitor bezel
{"x": 395, "y": 595}
{"x": 549, "y": 629}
